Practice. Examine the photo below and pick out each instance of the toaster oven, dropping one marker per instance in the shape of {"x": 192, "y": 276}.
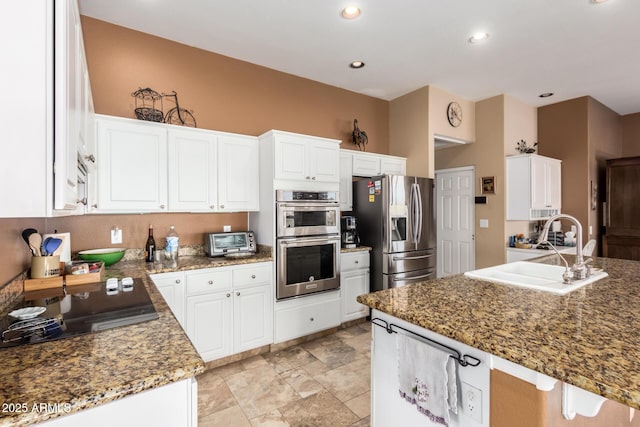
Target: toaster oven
{"x": 221, "y": 244}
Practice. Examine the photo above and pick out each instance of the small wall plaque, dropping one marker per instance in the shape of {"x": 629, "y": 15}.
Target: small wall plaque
{"x": 488, "y": 185}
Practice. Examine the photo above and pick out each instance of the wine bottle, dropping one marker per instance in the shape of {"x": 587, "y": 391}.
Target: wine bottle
{"x": 150, "y": 246}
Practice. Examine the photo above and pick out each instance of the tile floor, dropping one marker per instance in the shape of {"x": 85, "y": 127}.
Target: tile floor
{"x": 324, "y": 382}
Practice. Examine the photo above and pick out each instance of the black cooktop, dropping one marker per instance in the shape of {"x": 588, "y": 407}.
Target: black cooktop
{"x": 78, "y": 310}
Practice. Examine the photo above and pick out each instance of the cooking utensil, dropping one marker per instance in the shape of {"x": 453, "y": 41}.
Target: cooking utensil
{"x": 35, "y": 242}
{"x": 50, "y": 245}
{"x": 25, "y": 235}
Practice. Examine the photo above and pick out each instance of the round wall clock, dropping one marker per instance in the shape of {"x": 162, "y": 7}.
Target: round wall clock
{"x": 454, "y": 114}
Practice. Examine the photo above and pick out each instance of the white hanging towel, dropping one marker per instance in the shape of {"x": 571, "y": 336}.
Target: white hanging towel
{"x": 427, "y": 377}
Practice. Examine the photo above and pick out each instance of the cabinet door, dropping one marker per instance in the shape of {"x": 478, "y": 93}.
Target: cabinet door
{"x": 253, "y": 317}
{"x": 391, "y": 166}
{"x": 172, "y": 288}
{"x": 68, "y": 100}
{"x": 365, "y": 165}
{"x": 539, "y": 183}
{"x": 290, "y": 159}
{"x": 352, "y": 284}
{"x": 324, "y": 162}
{"x": 132, "y": 174}
{"x": 209, "y": 324}
{"x": 192, "y": 171}
{"x": 346, "y": 181}
{"x": 554, "y": 185}
{"x": 238, "y": 185}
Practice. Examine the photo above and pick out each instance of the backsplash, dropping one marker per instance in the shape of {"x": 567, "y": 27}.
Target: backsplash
{"x": 94, "y": 231}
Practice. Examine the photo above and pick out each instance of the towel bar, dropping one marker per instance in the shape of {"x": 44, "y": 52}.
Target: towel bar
{"x": 463, "y": 360}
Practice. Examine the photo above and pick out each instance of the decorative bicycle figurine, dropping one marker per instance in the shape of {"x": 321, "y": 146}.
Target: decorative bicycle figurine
{"x": 177, "y": 115}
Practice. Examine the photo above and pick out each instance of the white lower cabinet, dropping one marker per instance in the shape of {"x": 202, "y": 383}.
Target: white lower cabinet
{"x": 354, "y": 281}
{"x": 171, "y": 286}
{"x": 224, "y": 310}
{"x": 306, "y": 315}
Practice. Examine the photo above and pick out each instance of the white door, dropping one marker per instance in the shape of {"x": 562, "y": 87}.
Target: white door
{"x": 237, "y": 186}
{"x": 346, "y": 181}
{"x": 172, "y": 288}
{"x": 210, "y": 324}
{"x": 455, "y": 201}
{"x": 192, "y": 172}
{"x": 252, "y": 312}
{"x": 323, "y": 161}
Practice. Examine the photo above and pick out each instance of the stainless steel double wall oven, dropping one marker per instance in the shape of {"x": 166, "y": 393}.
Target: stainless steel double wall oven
{"x": 308, "y": 242}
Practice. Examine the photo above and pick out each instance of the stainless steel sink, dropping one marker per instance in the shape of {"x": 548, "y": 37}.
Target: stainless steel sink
{"x": 532, "y": 275}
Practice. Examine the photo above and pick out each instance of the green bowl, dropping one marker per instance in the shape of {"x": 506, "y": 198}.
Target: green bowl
{"x": 107, "y": 255}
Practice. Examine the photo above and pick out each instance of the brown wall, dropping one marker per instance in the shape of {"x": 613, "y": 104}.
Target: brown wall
{"x": 583, "y": 133}
{"x": 225, "y": 94}
{"x": 487, "y": 155}
{"x": 630, "y": 128}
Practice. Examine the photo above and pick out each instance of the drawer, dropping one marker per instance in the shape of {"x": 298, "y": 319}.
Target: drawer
{"x": 354, "y": 260}
{"x": 306, "y": 319}
{"x": 166, "y": 279}
{"x": 210, "y": 280}
{"x": 252, "y": 274}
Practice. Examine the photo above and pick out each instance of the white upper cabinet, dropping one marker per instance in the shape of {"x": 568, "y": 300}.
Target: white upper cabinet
{"x": 43, "y": 58}
{"x": 154, "y": 167}
{"x": 533, "y": 187}
{"x": 304, "y": 158}
{"x": 193, "y": 179}
{"x": 372, "y": 164}
{"x": 132, "y": 172}
{"x": 238, "y": 185}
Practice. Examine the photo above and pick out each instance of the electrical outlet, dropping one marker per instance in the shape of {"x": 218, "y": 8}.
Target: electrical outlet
{"x": 116, "y": 236}
{"x": 471, "y": 401}
{"x": 226, "y": 228}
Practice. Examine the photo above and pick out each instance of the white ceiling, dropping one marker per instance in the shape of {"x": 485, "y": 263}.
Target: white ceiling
{"x": 570, "y": 47}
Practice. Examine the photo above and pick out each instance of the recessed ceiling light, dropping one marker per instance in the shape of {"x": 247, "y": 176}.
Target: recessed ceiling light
{"x": 356, "y": 64}
{"x": 478, "y": 37}
{"x": 350, "y": 12}
{"x": 546, "y": 94}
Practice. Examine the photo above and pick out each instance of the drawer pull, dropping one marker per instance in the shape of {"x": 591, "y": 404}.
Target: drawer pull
{"x": 357, "y": 262}
{"x": 237, "y": 294}
{"x": 177, "y": 281}
{"x": 228, "y": 295}
{"x": 210, "y": 282}
{"x": 253, "y": 276}
{"x": 311, "y": 319}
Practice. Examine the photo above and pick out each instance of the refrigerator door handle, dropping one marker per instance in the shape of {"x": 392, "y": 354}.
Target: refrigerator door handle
{"x": 422, "y": 276}
{"x": 419, "y": 201}
{"x": 414, "y": 213}
{"x": 402, "y": 258}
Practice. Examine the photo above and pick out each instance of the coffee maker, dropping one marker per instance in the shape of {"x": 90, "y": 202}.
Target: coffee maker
{"x": 350, "y": 238}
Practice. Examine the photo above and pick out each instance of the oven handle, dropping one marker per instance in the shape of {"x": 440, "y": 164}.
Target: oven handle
{"x": 398, "y": 258}
{"x": 328, "y": 205}
{"x": 330, "y": 239}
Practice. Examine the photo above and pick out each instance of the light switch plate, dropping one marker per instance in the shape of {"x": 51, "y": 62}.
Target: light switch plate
{"x": 484, "y": 223}
{"x": 116, "y": 236}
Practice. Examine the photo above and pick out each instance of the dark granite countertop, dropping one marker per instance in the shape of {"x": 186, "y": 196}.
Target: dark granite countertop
{"x": 589, "y": 338}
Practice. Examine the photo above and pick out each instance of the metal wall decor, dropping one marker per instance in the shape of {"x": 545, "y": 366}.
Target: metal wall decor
{"x": 359, "y": 137}
{"x": 146, "y": 108}
{"x": 146, "y": 105}
{"x": 523, "y": 148}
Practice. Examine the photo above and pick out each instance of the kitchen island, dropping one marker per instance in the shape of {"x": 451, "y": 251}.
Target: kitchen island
{"x": 587, "y": 338}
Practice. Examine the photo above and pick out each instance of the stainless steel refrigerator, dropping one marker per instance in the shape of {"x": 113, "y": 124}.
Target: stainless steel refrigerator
{"x": 396, "y": 216}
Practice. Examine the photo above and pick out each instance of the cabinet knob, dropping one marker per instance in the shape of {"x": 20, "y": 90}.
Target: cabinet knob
{"x": 90, "y": 158}
{"x": 82, "y": 201}
{"x": 313, "y": 178}
{"x": 210, "y": 282}
{"x": 221, "y": 206}
{"x": 228, "y": 295}
{"x": 311, "y": 319}
{"x": 212, "y": 206}
{"x": 356, "y": 261}
{"x": 237, "y": 294}
{"x": 177, "y": 281}
{"x": 253, "y": 276}
{"x": 307, "y": 177}
{"x": 161, "y": 206}
{"x": 95, "y": 206}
